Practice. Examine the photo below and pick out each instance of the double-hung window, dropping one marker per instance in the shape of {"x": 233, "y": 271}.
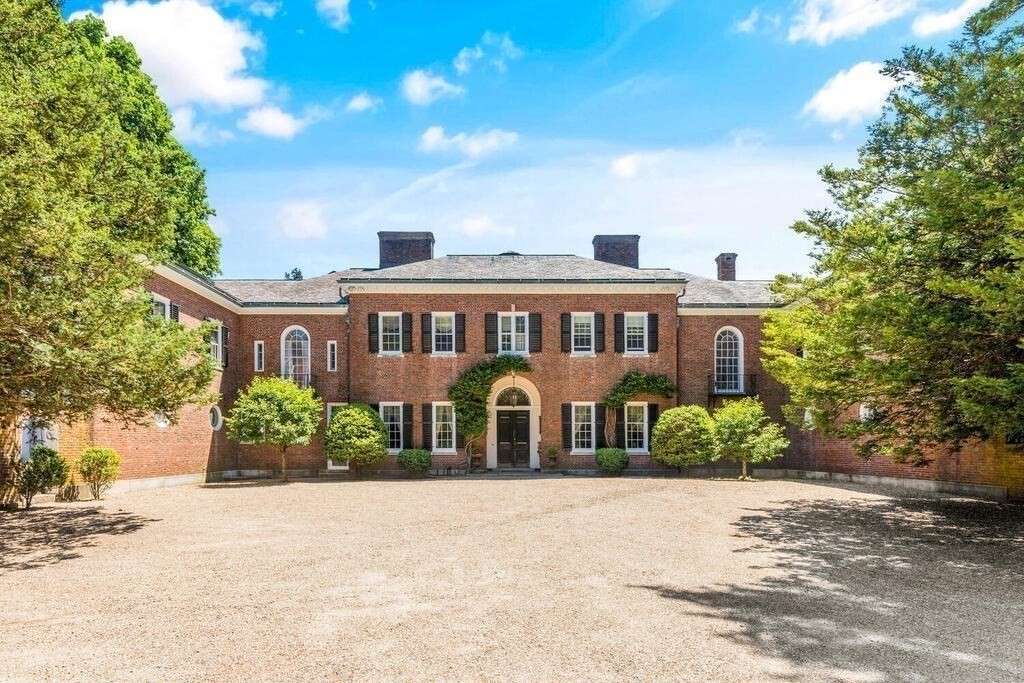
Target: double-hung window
{"x": 443, "y": 334}
{"x": 332, "y": 356}
{"x": 444, "y": 428}
{"x": 636, "y": 333}
{"x": 161, "y": 306}
{"x": 216, "y": 344}
{"x": 583, "y": 427}
{"x": 257, "y": 356}
{"x": 636, "y": 427}
{"x": 513, "y": 333}
{"x": 582, "y": 333}
{"x": 391, "y": 333}
{"x": 391, "y": 413}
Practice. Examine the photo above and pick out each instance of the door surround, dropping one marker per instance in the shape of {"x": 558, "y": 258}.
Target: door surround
{"x": 491, "y": 460}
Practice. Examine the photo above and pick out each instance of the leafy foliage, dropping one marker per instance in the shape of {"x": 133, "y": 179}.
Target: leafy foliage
{"x": 745, "y": 433}
{"x": 356, "y": 435}
{"x": 684, "y": 436}
{"x": 635, "y": 384}
{"x": 275, "y": 411}
{"x": 83, "y": 195}
{"x": 99, "y": 468}
{"x": 611, "y": 460}
{"x": 415, "y": 459}
{"x": 916, "y": 302}
{"x": 44, "y": 469}
{"x": 470, "y": 392}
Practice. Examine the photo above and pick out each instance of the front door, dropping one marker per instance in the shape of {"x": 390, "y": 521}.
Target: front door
{"x": 513, "y": 438}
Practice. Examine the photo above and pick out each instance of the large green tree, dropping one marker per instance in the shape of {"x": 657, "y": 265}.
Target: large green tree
{"x": 916, "y": 301}
{"x": 84, "y": 204}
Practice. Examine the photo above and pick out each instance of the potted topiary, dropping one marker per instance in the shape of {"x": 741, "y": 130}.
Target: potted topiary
{"x": 553, "y": 453}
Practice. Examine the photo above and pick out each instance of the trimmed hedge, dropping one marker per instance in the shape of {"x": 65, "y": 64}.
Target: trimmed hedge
{"x": 415, "y": 460}
{"x": 684, "y": 436}
{"x": 611, "y": 460}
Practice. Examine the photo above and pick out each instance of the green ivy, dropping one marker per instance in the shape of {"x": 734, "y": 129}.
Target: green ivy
{"x": 470, "y": 392}
{"x": 635, "y": 384}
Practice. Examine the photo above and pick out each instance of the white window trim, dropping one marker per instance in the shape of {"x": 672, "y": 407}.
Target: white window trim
{"x": 219, "y": 358}
{"x": 309, "y": 339}
{"x": 220, "y": 418}
{"x": 742, "y": 361}
{"x": 593, "y": 428}
{"x": 380, "y": 333}
{"x": 433, "y": 427}
{"x": 572, "y": 335}
{"x": 331, "y": 467}
{"x": 866, "y": 411}
{"x": 433, "y": 334}
{"x": 512, "y": 314}
{"x": 165, "y": 301}
{"x": 332, "y": 359}
{"x": 401, "y": 423}
{"x": 647, "y": 428}
{"x": 259, "y": 356}
{"x": 625, "y": 333}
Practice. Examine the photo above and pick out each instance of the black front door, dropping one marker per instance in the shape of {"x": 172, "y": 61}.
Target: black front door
{"x": 513, "y": 438}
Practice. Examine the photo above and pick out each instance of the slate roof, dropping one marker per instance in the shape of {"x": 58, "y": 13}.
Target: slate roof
{"x": 704, "y": 292}
{"x": 511, "y": 267}
{"x": 323, "y": 290}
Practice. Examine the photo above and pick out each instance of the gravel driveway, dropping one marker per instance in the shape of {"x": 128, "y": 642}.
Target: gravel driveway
{"x": 536, "y": 579}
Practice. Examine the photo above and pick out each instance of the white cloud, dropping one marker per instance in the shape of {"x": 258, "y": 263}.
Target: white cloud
{"x": 267, "y": 9}
{"x": 498, "y": 49}
{"x": 823, "y": 21}
{"x": 483, "y": 226}
{"x": 335, "y": 12}
{"x": 195, "y": 55}
{"x": 474, "y": 145}
{"x": 633, "y": 165}
{"x": 363, "y": 101}
{"x": 748, "y": 25}
{"x": 930, "y": 23}
{"x": 421, "y": 87}
{"x": 273, "y": 122}
{"x": 302, "y": 220}
{"x": 190, "y": 131}
{"x": 851, "y": 96}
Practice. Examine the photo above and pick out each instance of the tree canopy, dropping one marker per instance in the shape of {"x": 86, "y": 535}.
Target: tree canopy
{"x": 746, "y": 434}
{"x": 916, "y": 301}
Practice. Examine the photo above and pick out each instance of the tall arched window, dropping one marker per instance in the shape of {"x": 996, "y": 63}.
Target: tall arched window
{"x": 728, "y": 361}
{"x": 295, "y": 356}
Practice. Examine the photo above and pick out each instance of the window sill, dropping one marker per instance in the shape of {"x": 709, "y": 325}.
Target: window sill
{"x": 443, "y": 452}
{"x": 524, "y": 354}
{"x": 394, "y": 451}
{"x": 389, "y": 354}
{"x": 644, "y": 452}
{"x": 583, "y": 354}
{"x": 590, "y": 452}
{"x": 443, "y": 354}
{"x": 636, "y": 354}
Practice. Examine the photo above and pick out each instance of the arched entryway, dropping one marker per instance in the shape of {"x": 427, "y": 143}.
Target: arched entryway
{"x": 513, "y": 430}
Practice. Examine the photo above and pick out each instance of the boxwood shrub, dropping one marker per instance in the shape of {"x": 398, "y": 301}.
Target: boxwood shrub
{"x": 414, "y": 460}
{"x": 611, "y": 460}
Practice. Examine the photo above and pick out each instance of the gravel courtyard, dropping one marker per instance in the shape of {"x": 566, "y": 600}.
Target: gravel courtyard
{"x": 537, "y": 579}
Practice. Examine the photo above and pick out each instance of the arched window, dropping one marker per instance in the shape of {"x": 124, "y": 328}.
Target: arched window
{"x": 513, "y": 396}
{"x": 295, "y": 356}
{"x": 728, "y": 361}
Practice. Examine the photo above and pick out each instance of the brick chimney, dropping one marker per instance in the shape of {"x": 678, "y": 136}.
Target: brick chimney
{"x": 623, "y": 250}
{"x": 399, "y": 248}
{"x": 726, "y": 266}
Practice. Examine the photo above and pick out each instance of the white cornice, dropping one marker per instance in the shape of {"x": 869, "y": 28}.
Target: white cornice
{"x": 512, "y": 288}
{"x": 723, "y": 310}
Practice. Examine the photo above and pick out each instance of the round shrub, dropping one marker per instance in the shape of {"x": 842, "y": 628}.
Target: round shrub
{"x": 99, "y": 468}
{"x": 684, "y": 436}
{"x": 415, "y": 460}
{"x": 43, "y": 470}
{"x": 356, "y": 435}
{"x": 611, "y": 460}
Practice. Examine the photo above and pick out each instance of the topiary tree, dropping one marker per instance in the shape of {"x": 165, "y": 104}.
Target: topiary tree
{"x": 745, "y": 433}
{"x": 99, "y": 468}
{"x": 275, "y": 411}
{"x": 43, "y": 470}
{"x": 684, "y": 436}
{"x": 357, "y": 435}
{"x": 415, "y": 460}
{"x": 611, "y": 460}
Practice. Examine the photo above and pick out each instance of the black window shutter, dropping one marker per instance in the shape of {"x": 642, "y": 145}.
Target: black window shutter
{"x": 428, "y": 427}
{"x": 567, "y": 425}
{"x": 535, "y": 333}
{"x": 620, "y": 427}
{"x": 601, "y": 417}
{"x": 375, "y": 407}
{"x": 407, "y": 425}
{"x": 652, "y": 417}
{"x": 620, "y": 333}
{"x": 174, "y": 312}
{"x": 566, "y": 332}
{"x": 426, "y": 329}
{"x": 599, "y": 332}
{"x": 460, "y": 438}
{"x": 371, "y": 326}
{"x": 460, "y": 333}
{"x": 490, "y": 333}
{"x": 652, "y": 332}
{"x": 407, "y": 333}
{"x": 224, "y": 331}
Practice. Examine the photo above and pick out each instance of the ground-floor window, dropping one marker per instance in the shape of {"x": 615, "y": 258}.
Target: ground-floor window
{"x": 391, "y": 413}
{"x": 444, "y": 427}
{"x": 583, "y": 427}
{"x": 636, "y": 427}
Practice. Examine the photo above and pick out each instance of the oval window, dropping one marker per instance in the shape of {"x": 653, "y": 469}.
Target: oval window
{"x": 160, "y": 420}
{"x": 216, "y": 418}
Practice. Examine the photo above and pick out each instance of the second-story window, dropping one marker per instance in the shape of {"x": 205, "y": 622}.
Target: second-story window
{"x": 444, "y": 333}
{"x": 513, "y": 332}
{"x": 391, "y": 333}
{"x": 161, "y": 306}
{"x": 257, "y": 356}
{"x": 636, "y": 333}
{"x": 582, "y": 332}
{"x": 295, "y": 356}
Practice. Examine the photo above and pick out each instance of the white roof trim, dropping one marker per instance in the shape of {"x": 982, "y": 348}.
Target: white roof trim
{"x": 512, "y": 288}
{"x": 712, "y": 311}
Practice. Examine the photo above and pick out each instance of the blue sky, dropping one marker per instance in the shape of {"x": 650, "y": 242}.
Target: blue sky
{"x": 522, "y": 125}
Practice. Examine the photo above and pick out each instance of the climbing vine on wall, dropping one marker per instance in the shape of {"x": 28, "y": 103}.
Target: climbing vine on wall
{"x": 470, "y": 392}
{"x": 635, "y": 384}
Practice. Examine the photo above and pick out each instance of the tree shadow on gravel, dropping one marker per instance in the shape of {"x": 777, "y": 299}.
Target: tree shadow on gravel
{"x": 41, "y": 536}
{"x": 907, "y": 589}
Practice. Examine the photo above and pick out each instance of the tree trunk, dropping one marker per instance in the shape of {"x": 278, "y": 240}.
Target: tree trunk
{"x": 10, "y": 457}
{"x": 743, "y": 466}
{"x": 284, "y": 465}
